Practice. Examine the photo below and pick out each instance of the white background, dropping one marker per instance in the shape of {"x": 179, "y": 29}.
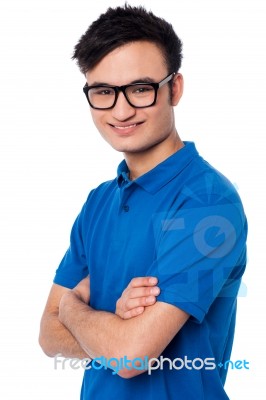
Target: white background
{"x": 51, "y": 156}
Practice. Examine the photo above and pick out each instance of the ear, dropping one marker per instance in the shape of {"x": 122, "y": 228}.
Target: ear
{"x": 177, "y": 88}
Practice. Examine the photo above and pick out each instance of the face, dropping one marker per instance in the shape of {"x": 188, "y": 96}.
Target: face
{"x": 125, "y": 128}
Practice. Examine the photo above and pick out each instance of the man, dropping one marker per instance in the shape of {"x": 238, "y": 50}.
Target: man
{"x": 156, "y": 255}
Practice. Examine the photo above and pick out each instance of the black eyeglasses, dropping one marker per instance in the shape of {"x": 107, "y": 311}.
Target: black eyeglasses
{"x": 138, "y": 95}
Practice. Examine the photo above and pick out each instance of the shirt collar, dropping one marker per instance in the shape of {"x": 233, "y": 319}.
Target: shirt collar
{"x": 159, "y": 176}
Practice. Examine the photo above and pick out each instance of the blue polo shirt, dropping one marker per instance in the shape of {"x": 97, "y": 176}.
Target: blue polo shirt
{"x": 184, "y": 223}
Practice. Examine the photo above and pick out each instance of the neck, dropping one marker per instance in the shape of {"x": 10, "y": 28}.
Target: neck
{"x": 142, "y": 162}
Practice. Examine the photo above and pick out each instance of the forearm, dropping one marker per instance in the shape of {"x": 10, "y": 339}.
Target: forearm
{"x": 55, "y": 338}
{"x": 103, "y": 334}
{"x": 99, "y": 333}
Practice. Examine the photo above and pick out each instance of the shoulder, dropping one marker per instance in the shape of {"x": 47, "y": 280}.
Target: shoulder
{"x": 98, "y": 196}
{"x": 208, "y": 194}
{"x": 205, "y": 183}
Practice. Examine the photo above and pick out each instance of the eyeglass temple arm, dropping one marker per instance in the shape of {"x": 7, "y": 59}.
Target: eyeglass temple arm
{"x": 167, "y": 79}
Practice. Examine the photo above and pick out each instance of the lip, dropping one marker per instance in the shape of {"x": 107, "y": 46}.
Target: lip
{"x": 125, "y": 128}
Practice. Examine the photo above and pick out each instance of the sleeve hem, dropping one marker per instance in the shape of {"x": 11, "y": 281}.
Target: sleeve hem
{"x": 66, "y": 282}
{"x": 197, "y": 314}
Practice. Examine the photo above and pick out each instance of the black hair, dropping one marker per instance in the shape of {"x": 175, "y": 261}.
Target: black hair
{"x": 122, "y": 25}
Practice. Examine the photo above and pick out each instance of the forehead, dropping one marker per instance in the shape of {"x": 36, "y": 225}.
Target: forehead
{"x": 128, "y": 63}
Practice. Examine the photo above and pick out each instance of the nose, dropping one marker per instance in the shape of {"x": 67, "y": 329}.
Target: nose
{"x": 122, "y": 110}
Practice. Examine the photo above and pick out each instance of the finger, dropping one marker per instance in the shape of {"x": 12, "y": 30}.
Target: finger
{"x": 144, "y": 281}
{"x": 133, "y": 313}
{"x": 132, "y": 304}
{"x": 143, "y": 292}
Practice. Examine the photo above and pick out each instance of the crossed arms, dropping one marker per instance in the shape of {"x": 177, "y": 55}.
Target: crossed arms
{"x": 140, "y": 326}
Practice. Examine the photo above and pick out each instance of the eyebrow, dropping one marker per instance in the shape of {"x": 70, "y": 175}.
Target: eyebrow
{"x": 146, "y": 79}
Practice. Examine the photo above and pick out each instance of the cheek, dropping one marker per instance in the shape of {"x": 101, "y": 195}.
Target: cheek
{"x": 97, "y": 119}
{"x": 94, "y": 117}
{"x": 163, "y": 108}
{"x": 163, "y": 117}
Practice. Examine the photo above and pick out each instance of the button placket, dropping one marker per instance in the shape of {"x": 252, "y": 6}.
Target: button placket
{"x": 124, "y": 196}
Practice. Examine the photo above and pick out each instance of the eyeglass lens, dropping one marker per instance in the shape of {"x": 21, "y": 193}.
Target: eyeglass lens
{"x": 138, "y": 96}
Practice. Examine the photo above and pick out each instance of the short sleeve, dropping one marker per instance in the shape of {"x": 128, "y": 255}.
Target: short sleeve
{"x": 73, "y": 267}
{"x": 201, "y": 254}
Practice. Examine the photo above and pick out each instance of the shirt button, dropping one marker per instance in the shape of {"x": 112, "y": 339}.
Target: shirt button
{"x": 126, "y": 208}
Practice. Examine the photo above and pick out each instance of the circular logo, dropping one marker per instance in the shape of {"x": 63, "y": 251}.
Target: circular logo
{"x": 214, "y": 236}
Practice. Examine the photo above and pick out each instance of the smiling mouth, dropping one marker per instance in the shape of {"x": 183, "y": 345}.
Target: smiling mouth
{"x": 124, "y": 127}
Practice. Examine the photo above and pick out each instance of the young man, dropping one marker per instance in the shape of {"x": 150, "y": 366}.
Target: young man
{"x": 156, "y": 255}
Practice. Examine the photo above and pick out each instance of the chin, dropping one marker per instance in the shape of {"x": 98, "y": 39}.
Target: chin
{"x": 131, "y": 145}
{"x": 128, "y": 147}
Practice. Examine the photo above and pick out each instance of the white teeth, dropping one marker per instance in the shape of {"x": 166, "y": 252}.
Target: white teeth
{"x": 125, "y": 127}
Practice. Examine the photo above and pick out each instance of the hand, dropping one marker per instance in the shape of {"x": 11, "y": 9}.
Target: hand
{"x": 140, "y": 293}
{"x": 82, "y": 290}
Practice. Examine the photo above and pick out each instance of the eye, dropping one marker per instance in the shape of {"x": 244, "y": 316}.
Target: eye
{"x": 138, "y": 90}
{"x": 103, "y": 91}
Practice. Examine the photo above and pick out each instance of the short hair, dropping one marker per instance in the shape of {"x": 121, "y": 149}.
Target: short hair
{"x": 121, "y": 25}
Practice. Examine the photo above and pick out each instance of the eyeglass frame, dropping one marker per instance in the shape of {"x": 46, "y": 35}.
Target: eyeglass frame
{"x": 117, "y": 89}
